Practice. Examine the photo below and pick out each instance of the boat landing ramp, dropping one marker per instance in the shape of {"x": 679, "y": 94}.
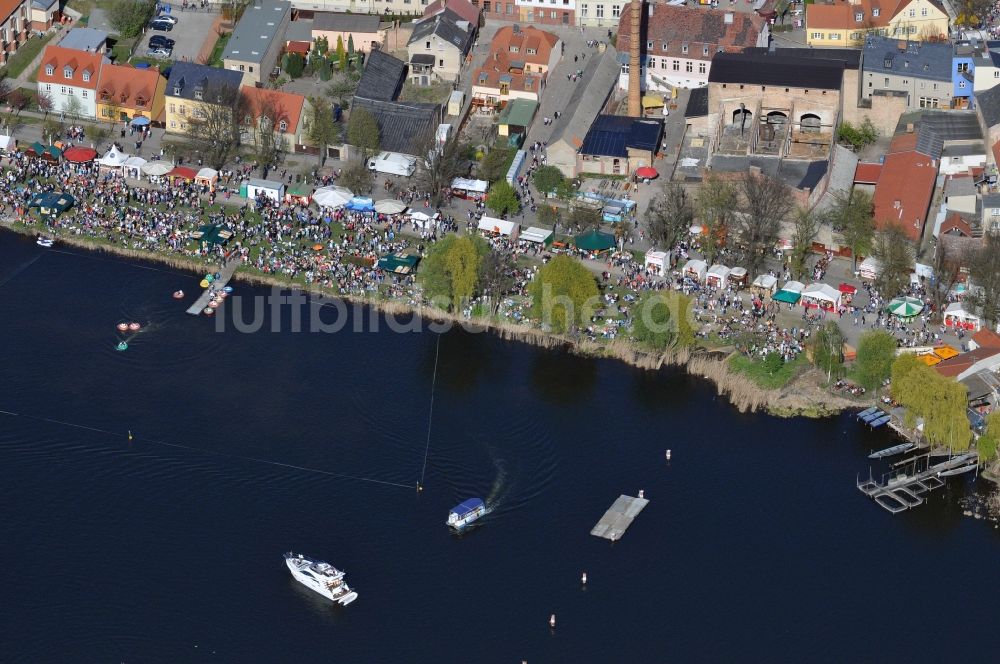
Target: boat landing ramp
{"x": 619, "y": 517}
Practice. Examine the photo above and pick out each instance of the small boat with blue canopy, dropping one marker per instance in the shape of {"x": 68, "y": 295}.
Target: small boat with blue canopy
{"x": 466, "y": 512}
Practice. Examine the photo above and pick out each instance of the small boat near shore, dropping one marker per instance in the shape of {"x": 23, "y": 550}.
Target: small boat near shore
{"x": 320, "y": 577}
{"x": 43, "y": 241}
{"x": 466, "y": 512}
{"x": 957, "y": 471}
{"x": 892, "y": 451}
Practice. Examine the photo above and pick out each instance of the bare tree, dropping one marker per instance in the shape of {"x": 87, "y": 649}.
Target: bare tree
{"x": 894, "y": 251}
{"x": 437, "y": 165}
{"x": 44, "y": 102}
{"x": 716, "y": 206}
{"x": 267, "y": 114}
{"x": 851, "y": 217}
{"x": 497, "y": 278}
{"x": 806, "y": 229}
{"x": 767, "y": 202}
{"x": 950, "y": 256}
{"x": 217, "y": 124}
{"x": 984, "y": 271}
{"x": 669, "y": 216}
{"x": 357, "y": 177}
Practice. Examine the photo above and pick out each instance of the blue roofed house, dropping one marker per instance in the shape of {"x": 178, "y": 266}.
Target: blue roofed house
{"x": 617, "y": 145}
{"x": 966, "y": 55}
{"x": 922, "y": 71}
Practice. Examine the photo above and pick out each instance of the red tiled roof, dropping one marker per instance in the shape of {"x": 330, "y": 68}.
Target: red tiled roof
{"x": 955, "y": 225}
{"x": 903, "y": 142}
{"x": 524, "y": 40}
{"x": 298, "y": 47}
{"x": 287, "y": 105}
{"x": 699, "y": 29}
{"x": 127, "y": 86}
{"x": 985, "y": 338}
{"x": 463, "y": 8}
{"x": 79, "y": 62}
{"x": 904, "y": 190}
{"x": 954, "y": 366}
{"x": 8, "y": 7}
{"x": 867, "y": 173}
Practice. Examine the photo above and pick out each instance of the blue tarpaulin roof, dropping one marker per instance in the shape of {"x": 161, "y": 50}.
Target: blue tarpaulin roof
{"x": 360, "y": 204}
{"x": 467, "y": 506}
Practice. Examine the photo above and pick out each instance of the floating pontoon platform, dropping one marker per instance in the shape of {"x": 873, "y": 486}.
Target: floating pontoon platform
{"x": 619, "y": 517}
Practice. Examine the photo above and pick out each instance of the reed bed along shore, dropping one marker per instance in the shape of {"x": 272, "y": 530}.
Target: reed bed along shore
{"x": 804, "y": 400}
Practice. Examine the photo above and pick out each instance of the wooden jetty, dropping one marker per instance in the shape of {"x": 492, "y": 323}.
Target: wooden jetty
{"x": 225, "y": 274}
{"x": 904, "y": 490}
{"x": 619, "y": 517}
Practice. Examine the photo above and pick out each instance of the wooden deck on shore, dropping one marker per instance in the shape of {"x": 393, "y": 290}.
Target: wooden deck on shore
{"x": 619, "y": 517}
{"x": 225, "y": 274}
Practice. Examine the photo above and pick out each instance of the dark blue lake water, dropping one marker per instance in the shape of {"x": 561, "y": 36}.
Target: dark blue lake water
{"x": 756, "y": 545}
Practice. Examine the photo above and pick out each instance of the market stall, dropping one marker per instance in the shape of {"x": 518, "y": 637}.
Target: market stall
{"x": 956, "y": 316}
{"x": 821, "y": 296}
{"x": 207, "y": 177}
{"x": 300, "y": 194}
{"x": 8, "y": 144}
{"x": 848, "y": 292}
{"x": 79, "y": 154}
{"x": 113, "y": 158}
{"x": 390, "y": 206}
{"x": 696, "y": 269}
{"x": 399, "y": 263}
{"x": 256, "y": 188}
{"x": 738, "y": 277}
{"x": 469, "y": 189}
{"x": 869, "y": 268}
{"x": 790, "y": 293}
{"x": 658, "y": 261}
{"x": 181, "y": 173}
{"x": 332, "y": 197}
{"x": 51, "y": 203}
{"x": 594, "y": 240}
{"x": 542, "y": 236}
{"x": 423, "y": 220}
{"x": 499, "y": 227}
{"x": 905, "y": 308}
{"x": 717, "y": 276}
{"x": 764, "y": 285}
{"x": 155, "y": 168}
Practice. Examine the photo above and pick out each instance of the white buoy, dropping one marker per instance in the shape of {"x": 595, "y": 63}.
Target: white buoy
{"x": 552, "y": 621}
{"x": 641, "y": 493}
{"x": 668, "y": 455}
{"x": 583, "y": 578}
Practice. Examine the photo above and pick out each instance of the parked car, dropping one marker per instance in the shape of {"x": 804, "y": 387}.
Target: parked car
{"x": 160, "y": 52}
{"x": 166, "y": 17}
{"x": 162, "y": 26}
{"x": 159, "y": 41}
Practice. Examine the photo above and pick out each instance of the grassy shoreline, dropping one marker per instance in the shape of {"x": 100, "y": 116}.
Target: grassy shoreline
{"x": 740, "y": 389}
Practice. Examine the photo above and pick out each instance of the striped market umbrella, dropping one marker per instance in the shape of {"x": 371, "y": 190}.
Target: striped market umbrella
{"x": 905, "y": 307}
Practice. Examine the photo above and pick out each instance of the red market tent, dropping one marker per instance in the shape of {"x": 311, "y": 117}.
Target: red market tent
{"x": 80, "y": 155}
{"x": 183, "y": 172}
{"x": 847, "y": 289}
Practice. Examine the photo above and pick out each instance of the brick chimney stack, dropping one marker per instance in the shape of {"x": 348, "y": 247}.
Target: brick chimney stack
{"x": 635, "y": 61}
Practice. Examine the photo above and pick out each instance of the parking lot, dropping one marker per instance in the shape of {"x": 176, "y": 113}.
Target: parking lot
{"x": 190, "y": 33}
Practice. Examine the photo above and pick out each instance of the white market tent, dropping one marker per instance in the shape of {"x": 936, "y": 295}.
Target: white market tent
{"x": 536, "y": 234}
{"x": 422, "y": 219}
{"x": 739, "y": 276}
{"x": 8, "y": 143}
{"x": 657, "y": 259}
{"x": 390, "y": 206}
{"x": 332, "y": 197}
{"x": 113, "y": 158}
{"x": 132, "y": 167}
{"x": 764, "y": 284}
{"x": 955, "y": 315}
{"x": 470, "y": 186}
{"x": 820, "y": 295}
{"x": 869, "y": 268}
{"x": 156, "y": 168}
{"x": 794, "y": 287}
{"x": 718, "y": 276}
{"x": 696, "y": 269}
{"x": 499, "y": 226}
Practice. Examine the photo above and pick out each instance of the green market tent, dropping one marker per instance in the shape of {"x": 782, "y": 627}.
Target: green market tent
{"x": 905, "y": 307}
{"x": 594, "y": 241}
{"x": 790, "y": 297}
{"x": 52, "y": 202}
{"x": 398, "y": 263}
{"x": 213, "y": 234}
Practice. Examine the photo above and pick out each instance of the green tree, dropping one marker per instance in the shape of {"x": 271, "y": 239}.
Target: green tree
{"x": 988, "y": 443}
{"x": 851, "y": 218}
{"x": 502, "y": 198}
{"x": 341, "y": 54}
{"x": 342, "y": 88}
{"x": 828, "y": 350}
{"x": 894, "y": 251}
{"x": 939, "y": 402}
{"x": 661, "y": 320}
{"x": 321, "y": 45}
{"x": 902, "y": 368}
{"x": 452, "y": 271}
{"x": 876, "y": 353}
{"x": 669, "y": 216}
{"x": 564, "y": 294}
{"x": 363, "y": 132}
{"x": 857, "y": 137}
{"x": 129, "y": 17}
{"x": 806, "y": 228}
{"x": 549, "y": 215}
{"x": 716, "y": 204}
{"x": 494, "y": 165}
{"x": 585, "y": 216}
{"x": 547, "y": 179}
{"x": 350, "y": 44}
{"x": 293, "y": 64}
{"x": 322, "y": 128}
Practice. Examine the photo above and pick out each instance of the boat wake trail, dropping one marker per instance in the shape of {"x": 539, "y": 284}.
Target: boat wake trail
{"x": 19, "y": 270}
{"x": 240, "y": 457}
{"x": 493, "y": 500}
